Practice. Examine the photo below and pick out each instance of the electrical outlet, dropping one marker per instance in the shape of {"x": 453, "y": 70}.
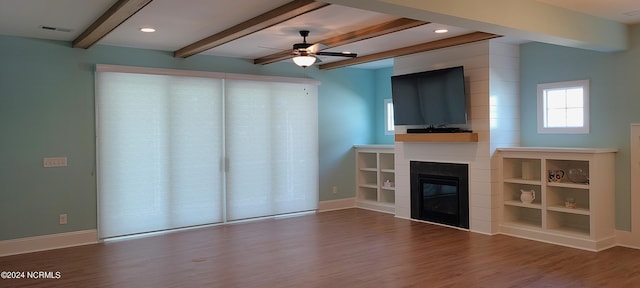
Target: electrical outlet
{"x": 63, "y": 219}
{"x": 335, "y": 189}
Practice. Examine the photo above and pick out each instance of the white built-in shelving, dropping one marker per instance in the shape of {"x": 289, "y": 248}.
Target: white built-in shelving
{"x": 574, "y": 210}
{"x": 375, "y": 177}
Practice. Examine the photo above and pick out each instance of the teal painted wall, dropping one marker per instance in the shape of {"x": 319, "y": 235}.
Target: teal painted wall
{"x": 383, "y": 91}
{"x": 47, "y": 110}
{"x": 614, "y": 100}
{"x": 345, "y": 108}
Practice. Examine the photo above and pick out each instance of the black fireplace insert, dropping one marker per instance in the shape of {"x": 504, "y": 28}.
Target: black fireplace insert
{"x": 440, "y": 193}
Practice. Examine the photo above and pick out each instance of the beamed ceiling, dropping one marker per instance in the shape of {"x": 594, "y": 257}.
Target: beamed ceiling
{"x": 124, "y": 9}
{"x": 263, "y": 31}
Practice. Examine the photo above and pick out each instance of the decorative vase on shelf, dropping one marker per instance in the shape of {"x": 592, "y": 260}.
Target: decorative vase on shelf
{"x": 527, "y": 196}
{"x": 570, "y": 202}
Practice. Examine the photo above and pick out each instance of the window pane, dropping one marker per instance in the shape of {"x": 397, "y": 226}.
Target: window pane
{"x": 390, "y": 125}
{"x": 556, "y": 118}
{"x": 574, "y": 97}
{"x": 556, "y": 99}
{"x": 388, "y": 117}
{"x": 574, "y": 117}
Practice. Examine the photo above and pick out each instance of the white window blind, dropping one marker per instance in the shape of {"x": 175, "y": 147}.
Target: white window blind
{"x": 161, "y": 141}
{"x": 159, "y": 151}
{"x": 272, "y": 144}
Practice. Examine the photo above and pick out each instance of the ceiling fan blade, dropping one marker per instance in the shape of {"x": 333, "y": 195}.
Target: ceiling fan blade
{"x": 337, "y": 54}
{"x": 315, "y": 48}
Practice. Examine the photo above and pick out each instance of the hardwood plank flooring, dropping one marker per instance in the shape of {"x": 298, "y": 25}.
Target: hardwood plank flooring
{"x": 345, "y": 248}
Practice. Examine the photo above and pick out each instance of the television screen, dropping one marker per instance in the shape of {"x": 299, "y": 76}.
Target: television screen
{"x": 433, "y": 98}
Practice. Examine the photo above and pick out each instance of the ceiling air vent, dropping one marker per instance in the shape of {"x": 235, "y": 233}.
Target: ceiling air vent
{"x": 51, "y": 28}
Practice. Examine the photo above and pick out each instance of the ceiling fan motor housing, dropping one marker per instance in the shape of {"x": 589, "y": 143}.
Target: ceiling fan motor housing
{"x": 301, "y": 46}
{"x": 307, "y": 49}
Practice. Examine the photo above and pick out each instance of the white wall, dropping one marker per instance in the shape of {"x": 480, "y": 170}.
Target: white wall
{"x": 504, "y": 111}
{"x": 491, "y": 75}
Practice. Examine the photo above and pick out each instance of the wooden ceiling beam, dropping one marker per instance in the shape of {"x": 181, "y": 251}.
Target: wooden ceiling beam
{"x": 112, "y": 18}
{"x": 428, "y": 46}
{"x": 263, "y": 21}
{"x": 351, "y": 37}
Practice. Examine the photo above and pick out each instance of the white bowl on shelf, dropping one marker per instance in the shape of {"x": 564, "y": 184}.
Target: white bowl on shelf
{"x": 577, "y": 175}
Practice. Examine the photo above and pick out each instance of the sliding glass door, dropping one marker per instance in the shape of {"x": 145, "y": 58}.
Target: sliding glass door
{"x": 177, "y": 151}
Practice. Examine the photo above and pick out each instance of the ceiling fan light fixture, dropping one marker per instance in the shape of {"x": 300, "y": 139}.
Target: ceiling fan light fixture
{"x": 304, "y": 61}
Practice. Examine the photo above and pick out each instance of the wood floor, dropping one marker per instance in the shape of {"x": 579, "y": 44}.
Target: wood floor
{"x": 346, "y": 248}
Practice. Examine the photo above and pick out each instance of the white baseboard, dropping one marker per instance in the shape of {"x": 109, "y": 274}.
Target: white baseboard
{"x": 77, "y": 238}
{"x": 375, "y": 206}
{"x": 48, "y": 242}
{"x": 338, "y": 204}
{"x": 627, "y": 239}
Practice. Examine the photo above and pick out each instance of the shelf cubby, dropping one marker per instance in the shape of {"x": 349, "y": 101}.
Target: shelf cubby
{"x": 558, "y": 196}
{"x": 367, "y": 161}
{"x": 368, "y": 178}
{"x": 522, "y": 169}
{"x": 568, "y": 222}
{"x": 387, "y": 162}
{"x": 511, "y": 192}
{"x": 367, "y": 193}
{"x": 523, "y": 216}
{"x": 566, "y": 166}
{"x": 388, "y": 196}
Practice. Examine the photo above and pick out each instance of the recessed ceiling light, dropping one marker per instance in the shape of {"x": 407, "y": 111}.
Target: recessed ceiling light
{"x": 441, "y": 30}
{"x": 148, "y": 29}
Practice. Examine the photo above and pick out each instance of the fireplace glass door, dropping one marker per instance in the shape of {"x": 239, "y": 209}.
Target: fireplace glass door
{"x": 440, "y": 193}
{"x": 439, "y": 199}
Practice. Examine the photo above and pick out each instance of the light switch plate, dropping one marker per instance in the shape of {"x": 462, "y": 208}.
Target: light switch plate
{"x": 55, "y": 162}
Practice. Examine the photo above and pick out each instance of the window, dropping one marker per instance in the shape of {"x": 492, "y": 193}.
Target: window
{"x": 388, "y": 117}
{"x": 563, "y": 107}
{"x": 184, "y": 148}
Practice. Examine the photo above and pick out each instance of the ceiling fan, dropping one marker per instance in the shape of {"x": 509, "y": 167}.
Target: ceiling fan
{"x": 304, "y": 54}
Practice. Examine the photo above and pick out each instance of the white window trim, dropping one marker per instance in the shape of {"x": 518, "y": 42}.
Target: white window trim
{"x": 564, "y": 130}
{"x": 387, "y": 118}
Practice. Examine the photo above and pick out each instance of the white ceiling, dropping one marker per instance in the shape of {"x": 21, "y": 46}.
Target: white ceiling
{"x": 180, "y": 23}
{"x": 623, "y": 11}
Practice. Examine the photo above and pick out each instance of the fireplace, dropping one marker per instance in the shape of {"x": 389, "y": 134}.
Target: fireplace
{"x": 440, "y": 193}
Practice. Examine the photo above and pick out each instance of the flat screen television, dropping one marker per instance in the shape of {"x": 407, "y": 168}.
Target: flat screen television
{"x": 433, "y": 98}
